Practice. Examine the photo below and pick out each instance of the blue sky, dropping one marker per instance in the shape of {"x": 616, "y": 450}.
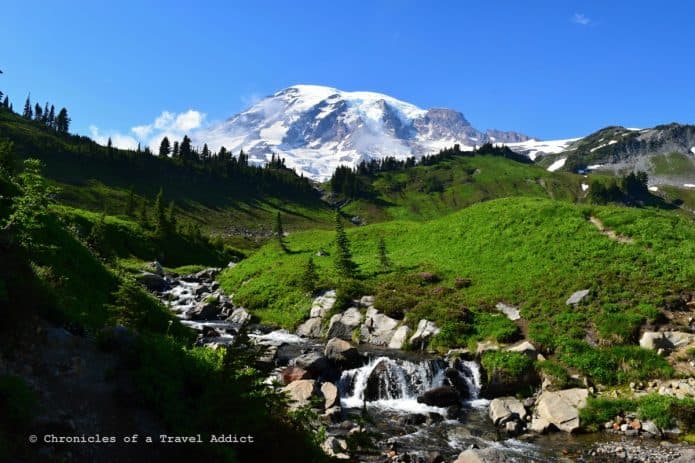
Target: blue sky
{"x": 551, "y": 69}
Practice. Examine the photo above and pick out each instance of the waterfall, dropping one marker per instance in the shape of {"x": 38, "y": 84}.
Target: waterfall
{"x": 395, "y": 383}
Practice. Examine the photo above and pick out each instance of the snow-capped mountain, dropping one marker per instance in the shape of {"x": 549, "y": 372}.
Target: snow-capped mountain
{"x": 317, "y": 129}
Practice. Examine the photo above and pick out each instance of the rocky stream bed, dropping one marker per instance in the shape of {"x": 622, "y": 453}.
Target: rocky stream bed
{"x": 416, "y": 406}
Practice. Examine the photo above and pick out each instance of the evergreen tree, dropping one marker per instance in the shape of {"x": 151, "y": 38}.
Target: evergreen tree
{"x": 343, "y": 258}
{"x": 164, "y": 148}
{"x": 28, "y": 113}
{"x": 6, "y": 102}
{"x": 46, "y": 110}
{"x": 8, "y": 160}
{"x": 130, "y": 204}
{"x": 205, "y": 155}
{"x": 51, "y": 117}
{"x": 309, "y": 277}
{"x": 144, "y": 222}
{"x": 160, "y": 219}
{"x": 171, "y": 217}
{"x": 280, "y": 232}
{"x": 38, "y": 113}
{"x": 62, "y": 121}
{"x": 384, "y": 260}
{"x": 185, "y": 150}
{"x": 175, "y": 150}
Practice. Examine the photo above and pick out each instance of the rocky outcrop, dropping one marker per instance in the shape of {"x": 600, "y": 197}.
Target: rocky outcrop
{"x": 524, "y": 347}
{"x": 323, "y": 304}
{"x": 424, "y": 332}
{"x": 343, "y": 324}
{"x": 509, "y": 311}
{"x": 559, "y": 409}
{"x": 204, "y": 311}
{"x": 315, "y": 364}
{"x": 336, "y": 448}
{"x": 488, "y": 455}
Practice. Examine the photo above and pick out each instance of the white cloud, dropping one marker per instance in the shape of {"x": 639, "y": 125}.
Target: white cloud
{"x": 581, "y": 19}
{"x": 167, "y": 124}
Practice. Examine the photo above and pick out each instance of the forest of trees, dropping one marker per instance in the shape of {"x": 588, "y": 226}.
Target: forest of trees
{"x": 47, "y": 116}
{"x": 354, "y": 183}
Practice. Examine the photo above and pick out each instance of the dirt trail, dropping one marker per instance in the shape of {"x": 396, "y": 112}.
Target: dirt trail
{"x": 608, "y": 232}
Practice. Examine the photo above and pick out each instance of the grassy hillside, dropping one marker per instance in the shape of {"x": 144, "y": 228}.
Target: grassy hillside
{"x": 529, "y": 252}
{"x": 430, "y": 191}
{"x": 240, "y": 208}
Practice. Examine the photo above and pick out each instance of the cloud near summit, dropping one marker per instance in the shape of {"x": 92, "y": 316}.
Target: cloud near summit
{"x": 167, "y": 124}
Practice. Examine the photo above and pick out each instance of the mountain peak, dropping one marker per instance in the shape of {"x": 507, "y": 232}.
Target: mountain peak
{"x": 318, "y": 128}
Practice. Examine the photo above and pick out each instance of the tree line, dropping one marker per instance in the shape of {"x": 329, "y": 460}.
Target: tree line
{"x": 47, "y": 116}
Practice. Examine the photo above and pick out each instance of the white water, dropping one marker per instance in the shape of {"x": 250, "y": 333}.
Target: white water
{"x": 395, "y": 384}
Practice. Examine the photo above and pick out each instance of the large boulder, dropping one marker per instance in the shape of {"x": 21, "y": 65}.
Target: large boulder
{"x": 323, "y": 304}
{"x": 378, "y": 328}
{"x": 207, "y": 275}
{"x": 343, "y": 324}
{"x": 336, "y": 448}
{"x": 152, "y": 281}
{"x": 504, "y": 409}
{"x": 400, "y": 337}
{"x": 455, "y": 379}
{"x": 239, "y": 316}
{"x": 375, "y": 385}
{"x": 443, "y": 396}
{"x": 425, "y": 330}
{"x": 342, "y": 353}
{"x": 559, "y": 409}
{"x": 204, "y": 311}
{"x": 330, "y": 395}
{"x": 300, "y": 392}
{"x": 509, "y": 311}
{"x": 315, "y": 364}
{"x": 311, "y": 328}
{"x": 289, "y": 375}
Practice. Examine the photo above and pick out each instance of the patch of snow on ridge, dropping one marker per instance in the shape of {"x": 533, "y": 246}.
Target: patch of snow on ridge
{"x": 692, "y": 150}
{"x": 689, "y": 185}
{"x": 653, "y": 188}
{"x": 557, "y": 165}
{"x": 535, "y": 148}
{"x": 585, "y": 186}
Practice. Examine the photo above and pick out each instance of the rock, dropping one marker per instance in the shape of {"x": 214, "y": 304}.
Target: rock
{"x": 204, "y": 311}
{"x": 342, "y": 353}
{"x": 560, "y": 409}
{"x": 343, "y": 324}
{"x": 412, "y": 419}
{"x": 333, "y": 414}
{"x": 155, "y": 267}
{"x": 511, "y": 312}
{"x": 488, "y": 455}
{"x": 323, "y": 304}
{"x": 315, "y": 364}
{"x": 116, "y": 338}
{"x": 367, "y": 301}
{"x": 373, "y": 387}
{"x": 686, "y": 456}
{"x": 311, "y": 328}
{"x": 239, "y": 316}
{"x": 458, "y": 382}
{"x": 330, "y": 394}
{"x": 336, "y": 448}
{"x": 300, "y": 392}
{"x": 425, "y": 330}
{"x": 650, "y": 427}
{"x": 208, "y": 275}
{"x": 484, "y": 346}
{"x": 291, "y": 374}
{"x": 400, "y": 336}
{"x": 443, "y": 396}
{"x": 434, "y": 457}
{"x": 504, "y": 409}
{"x": 524, "y": 347}
{"x": 152, "y": 281}
{"x": 665, "y": 340}
{"x": 378, "y": 328}
{"x": 577, "y": 297}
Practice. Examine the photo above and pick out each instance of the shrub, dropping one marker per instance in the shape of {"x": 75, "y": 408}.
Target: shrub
{"x": 512, "y": 365}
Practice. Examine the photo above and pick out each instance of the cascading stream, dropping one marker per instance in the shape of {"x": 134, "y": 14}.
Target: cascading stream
{"x": 396, "y": 384}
